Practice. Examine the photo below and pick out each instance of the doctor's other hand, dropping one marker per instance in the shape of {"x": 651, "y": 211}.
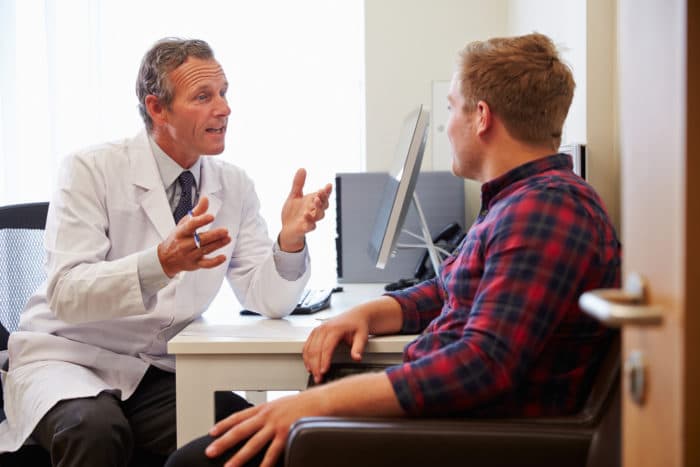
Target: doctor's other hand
{"x": 301, "y": 212}
{"x": 180, "y": 251}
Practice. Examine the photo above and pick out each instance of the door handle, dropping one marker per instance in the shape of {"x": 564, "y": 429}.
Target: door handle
{"x": 618, "y": 307}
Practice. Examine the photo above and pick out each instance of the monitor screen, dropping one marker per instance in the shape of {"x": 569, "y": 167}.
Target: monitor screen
{"x": 398, "y": 191}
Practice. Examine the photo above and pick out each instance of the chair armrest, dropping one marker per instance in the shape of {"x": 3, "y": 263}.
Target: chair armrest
{"x": 341, "y": 442}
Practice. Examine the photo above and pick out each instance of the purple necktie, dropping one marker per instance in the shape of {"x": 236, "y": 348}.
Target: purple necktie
{"x": 184, "y": 206}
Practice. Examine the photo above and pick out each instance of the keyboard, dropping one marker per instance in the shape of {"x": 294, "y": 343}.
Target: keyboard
{"x": 311, "y": 301}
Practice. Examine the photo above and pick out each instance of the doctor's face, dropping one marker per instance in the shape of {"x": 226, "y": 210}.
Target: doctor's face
{"x": 196, "y": 119}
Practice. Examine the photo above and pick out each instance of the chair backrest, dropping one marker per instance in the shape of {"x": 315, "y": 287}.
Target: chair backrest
{"x": 604, "y": 391}
{"x": 605, "y": 385}
{"x": 21, "y": 260}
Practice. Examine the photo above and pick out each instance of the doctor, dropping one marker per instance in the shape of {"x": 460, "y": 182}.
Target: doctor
{"x": 139, "y": 237}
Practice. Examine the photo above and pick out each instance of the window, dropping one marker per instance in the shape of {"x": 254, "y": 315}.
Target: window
{"x": 296, "y": 71}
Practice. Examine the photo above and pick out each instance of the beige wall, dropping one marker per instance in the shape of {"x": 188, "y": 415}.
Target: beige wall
{"x": 602, "y": 117}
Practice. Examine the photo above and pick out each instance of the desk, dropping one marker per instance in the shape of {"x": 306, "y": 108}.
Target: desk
{"x": 226, "y": 351}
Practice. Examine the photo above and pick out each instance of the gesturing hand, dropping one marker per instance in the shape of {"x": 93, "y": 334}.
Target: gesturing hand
{"x": 301, "y": 212}
{"x": 179, "y": 252}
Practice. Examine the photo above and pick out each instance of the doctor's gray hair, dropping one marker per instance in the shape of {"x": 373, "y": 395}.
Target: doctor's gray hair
{"x": 164, "y": 56}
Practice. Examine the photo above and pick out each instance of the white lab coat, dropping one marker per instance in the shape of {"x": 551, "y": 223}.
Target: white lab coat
{"x": 87, "y": 329}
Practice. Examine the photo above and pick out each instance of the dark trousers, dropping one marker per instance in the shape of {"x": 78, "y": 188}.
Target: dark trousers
{"x": 192, "y": 454}
{"x": 106, "y": 431}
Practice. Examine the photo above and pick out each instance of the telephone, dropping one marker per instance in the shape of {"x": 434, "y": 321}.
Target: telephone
{"x": 448, "y": 239}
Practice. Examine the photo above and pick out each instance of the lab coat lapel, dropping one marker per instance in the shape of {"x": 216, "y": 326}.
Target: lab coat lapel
{"x": 211, "y": 185}
{"x": 144, "y": 174}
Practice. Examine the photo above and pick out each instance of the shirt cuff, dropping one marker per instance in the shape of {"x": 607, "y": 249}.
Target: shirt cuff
{"x": 407, "y": 390}
{"x": 290, "y": 266}
{"x": 152, "y": 278}
{"x": 411, "y": 318}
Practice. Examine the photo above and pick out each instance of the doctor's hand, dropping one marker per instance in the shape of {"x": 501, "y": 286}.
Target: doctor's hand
{"x": 301, "y": 212}
{"x": 180, "y": 252}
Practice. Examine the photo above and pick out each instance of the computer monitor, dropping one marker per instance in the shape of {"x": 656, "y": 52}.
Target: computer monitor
{"x": 578, "y": 157}
{"x": 399, "y": 193}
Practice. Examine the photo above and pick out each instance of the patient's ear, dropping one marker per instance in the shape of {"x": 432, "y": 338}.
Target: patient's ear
{"x": 484, "y": 118}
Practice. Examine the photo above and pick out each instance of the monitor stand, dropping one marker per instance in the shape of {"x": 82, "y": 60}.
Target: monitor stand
{"x": 425, "y": 238}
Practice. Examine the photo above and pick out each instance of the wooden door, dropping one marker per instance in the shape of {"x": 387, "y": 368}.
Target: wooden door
{"x": 660, "y": 148}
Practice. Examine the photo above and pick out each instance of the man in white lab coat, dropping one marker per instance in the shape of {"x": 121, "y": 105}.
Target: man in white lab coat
{"x": 139, "y": 237}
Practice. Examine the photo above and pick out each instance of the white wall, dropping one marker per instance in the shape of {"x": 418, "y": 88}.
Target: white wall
{"x": 409, "y": 44}
{"x": 565, "y": 23}
{"x": 406, "y": 51}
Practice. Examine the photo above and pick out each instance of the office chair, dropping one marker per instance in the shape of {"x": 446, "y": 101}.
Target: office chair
{"x": 21, "y": 273}
{"x": 590, "y": 438}
{"x": 21, "y": 260}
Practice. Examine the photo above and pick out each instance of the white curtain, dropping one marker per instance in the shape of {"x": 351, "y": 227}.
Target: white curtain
{"x": 295, "y": 68}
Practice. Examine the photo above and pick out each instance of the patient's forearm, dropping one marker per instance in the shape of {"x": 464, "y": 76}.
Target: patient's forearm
{"x": 384, "y": 315}
{"x": 368, "y": 394}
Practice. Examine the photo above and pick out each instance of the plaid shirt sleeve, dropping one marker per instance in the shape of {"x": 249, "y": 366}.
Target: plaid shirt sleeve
{"x": 420, "y": 305}
{"x": 531, "y": 256}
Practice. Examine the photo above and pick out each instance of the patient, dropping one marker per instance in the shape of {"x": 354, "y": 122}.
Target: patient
{"x": 501, "y": 333}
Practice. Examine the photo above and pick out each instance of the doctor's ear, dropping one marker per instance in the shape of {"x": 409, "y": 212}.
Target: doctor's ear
{"x": 155, "y": 109}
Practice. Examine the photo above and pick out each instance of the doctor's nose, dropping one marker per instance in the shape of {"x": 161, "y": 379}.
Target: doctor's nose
{"x": 222, "y": 108}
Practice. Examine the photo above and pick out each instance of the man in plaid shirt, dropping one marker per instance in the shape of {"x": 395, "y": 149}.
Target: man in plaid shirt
{"x": 501, "y": 332}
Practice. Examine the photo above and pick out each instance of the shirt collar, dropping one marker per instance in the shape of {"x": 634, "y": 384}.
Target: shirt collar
{"x": 556, "y": 161}
{"x": 169, "y": 169}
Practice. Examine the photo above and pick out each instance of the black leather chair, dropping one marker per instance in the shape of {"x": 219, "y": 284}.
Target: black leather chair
{"x": 590, "y": 438}
{"x": 21, "y": 273}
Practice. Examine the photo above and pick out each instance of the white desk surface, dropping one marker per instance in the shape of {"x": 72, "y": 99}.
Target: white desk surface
{"x": 222, "y": 330}
{"x": 226, "y": 351}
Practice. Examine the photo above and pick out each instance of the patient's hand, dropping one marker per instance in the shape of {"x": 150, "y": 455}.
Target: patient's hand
{"x": 263, "y": 424}
{"x": 351, "y": 327}
{"x": 360, "y": 395}
{"x": 380, "y": 316}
